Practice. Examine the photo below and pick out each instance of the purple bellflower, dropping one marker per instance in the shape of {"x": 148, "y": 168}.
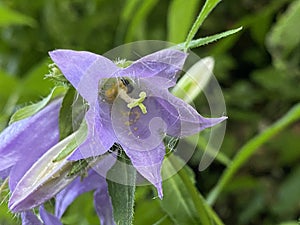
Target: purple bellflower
{"x": 24, "y": 146}
{"x": 131, "y": 106}
{"x": 21, "y": 146}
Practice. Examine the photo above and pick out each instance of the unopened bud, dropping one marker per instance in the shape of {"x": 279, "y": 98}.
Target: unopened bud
{"x": 194, "y": 80}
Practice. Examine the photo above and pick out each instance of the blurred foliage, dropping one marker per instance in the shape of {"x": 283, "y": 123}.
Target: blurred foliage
{"x": 258, "y": 69}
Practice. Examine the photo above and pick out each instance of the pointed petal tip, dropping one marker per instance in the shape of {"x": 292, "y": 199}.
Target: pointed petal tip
{"x": 15, "y": 208}
{"x": 51, "y": 52}
{"x": 216, "y": 120}
{"x": 54, "y": 52}
{"x": 59, "y": 54}
{"x": 159, "y": 190}
{"x": 222, "y": 118}
{"x": 160, "y": 195}
{"x": 11, "y": 207}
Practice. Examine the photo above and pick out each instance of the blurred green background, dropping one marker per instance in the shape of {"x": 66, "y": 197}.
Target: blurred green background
{"x": 258, "y": 70}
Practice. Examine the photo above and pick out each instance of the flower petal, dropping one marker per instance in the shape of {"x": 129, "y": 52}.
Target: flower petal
{"x": 43, "y": 180}
{"x": 148, "y": 163}
{"x": 28, "y": 218}
{"x": 100, "y": 136}
{"x": 191, "y": 122}
{"x": 143, "y": 131}
{"x": 47, "y": 218}
{"x": 4, "y": 173}
{"x": 103, "y": 205}
{"x": 163, "y": 64}
{"x": 94, "y": 180}
{"x": 83, "y": 70}
{"x": 76, "y": 188}
{"x": 22, "y": 140}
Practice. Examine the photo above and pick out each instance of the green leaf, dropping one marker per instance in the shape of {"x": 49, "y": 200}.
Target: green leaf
{"x": 8, "y": 84}
{"x": 207, "y": 8}
{"x": 9, "y": 92}
{"x": 7, "y": 217}
{"x": 143, "y": 214}
{"x": 220, "y": 157}
{"x": 286, "y": 205}
{"x": 129, "y": 9}
{"x": 180, "y": 17}
{"x": 249, "y": 21}
{"x": 30, "y": 110}
{"x": 290, "y": 223}
{"x": 283, "y": 37}
{"x": 11, "y": 17}
{"x": 207, "y": 40}
{"x": 182, "y": 202}
{"x": 67, "y": 114}
{"x": 76, "y": 214}
{"x": 138, "y": 17}
{"x": 274, "y": 81}
{"x": 284, "y": 41}
{"x": 34, "y": 83}
{"x": 249, "y": 149}
{"x": 122, "y": 192}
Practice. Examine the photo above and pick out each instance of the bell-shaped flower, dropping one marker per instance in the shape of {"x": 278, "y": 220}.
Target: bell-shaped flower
{"x": 27, "y": 150}
{"x": 25, "y": 141}
{"x": 131, "y": 106}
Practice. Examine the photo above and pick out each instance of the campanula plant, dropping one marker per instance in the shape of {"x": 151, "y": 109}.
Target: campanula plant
{"x": 127, "y": 107}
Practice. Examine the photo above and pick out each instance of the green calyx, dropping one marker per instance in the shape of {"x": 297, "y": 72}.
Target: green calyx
{"x": 123, "y": 63}
{"x": 56, "y": 75}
